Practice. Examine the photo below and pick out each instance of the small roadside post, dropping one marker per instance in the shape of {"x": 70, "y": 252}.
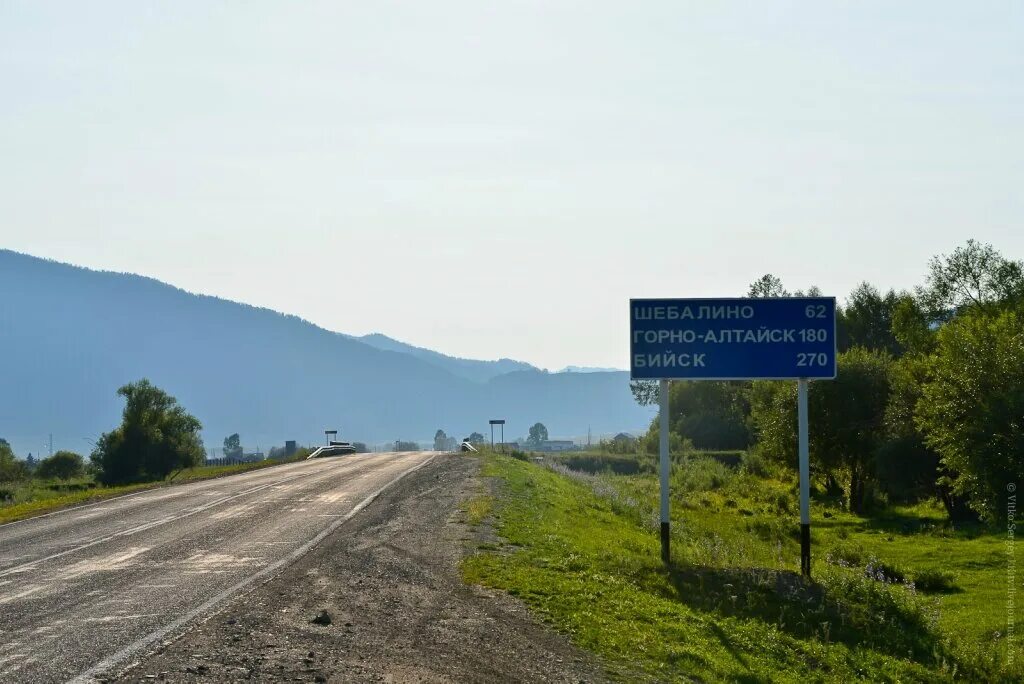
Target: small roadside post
{"x": 501, "y": 422}
{"x": 789, "y": 338}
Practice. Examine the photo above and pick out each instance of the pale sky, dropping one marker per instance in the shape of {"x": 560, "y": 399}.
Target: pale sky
{"x": 498, "y": 179}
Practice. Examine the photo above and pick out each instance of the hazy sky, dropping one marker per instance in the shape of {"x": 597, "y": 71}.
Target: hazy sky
{"x": 498, "y": 178}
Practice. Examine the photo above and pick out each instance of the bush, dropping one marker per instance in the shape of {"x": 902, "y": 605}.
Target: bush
{"x": 63, "y": 465}
{"x": 754, "y": 464}
{"x": 599, "y": 463}
{"x": 884, "y": 572}
{"x": 845, "y": 555}
{"x": 700, "y": 474}
{"x": 932, "y": 581}
{"x": 11, "y": 469}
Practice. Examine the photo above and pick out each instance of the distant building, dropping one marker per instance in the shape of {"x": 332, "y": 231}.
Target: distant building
{"x": 553, "y": 445}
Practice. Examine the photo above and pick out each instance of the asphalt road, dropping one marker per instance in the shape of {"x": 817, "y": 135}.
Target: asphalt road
{"x": 85, "y": 590}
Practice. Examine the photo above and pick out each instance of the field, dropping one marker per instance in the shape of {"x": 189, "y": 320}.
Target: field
{"x": 897, "y": 596}
{"x": 26, "y": 498}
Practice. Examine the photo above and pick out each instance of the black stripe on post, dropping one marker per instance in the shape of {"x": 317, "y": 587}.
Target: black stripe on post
{"x": 805, "y": 550}
{"x": 664, "y": 543}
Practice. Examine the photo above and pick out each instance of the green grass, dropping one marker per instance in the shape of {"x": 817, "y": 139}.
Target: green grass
{"x": 583, "y": 552}
{"x": 28, "y": 498}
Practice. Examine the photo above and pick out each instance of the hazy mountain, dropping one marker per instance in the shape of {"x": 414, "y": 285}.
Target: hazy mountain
{"x": 470, "y": 369}
{"x": 587, "y": 369}
{"x": 69, "y": 337}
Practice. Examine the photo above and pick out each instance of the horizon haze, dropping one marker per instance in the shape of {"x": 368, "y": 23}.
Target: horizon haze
{"x": 442, "y": 174}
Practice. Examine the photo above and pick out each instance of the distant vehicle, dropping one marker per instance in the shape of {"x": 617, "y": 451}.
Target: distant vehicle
{"x": 466, "y": 446}
{"x": 333, "y": 449}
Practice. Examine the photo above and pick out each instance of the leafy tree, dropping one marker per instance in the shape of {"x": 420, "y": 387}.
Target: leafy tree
{"x": 406, "y": 446}
{"x": 476, "y": 438}
{"x": 713, "y": 415}
{"x": 645, "y": 392}
{"x": 973, "y": 276}
{"x": 360, "y": 447}
{"x": 538, "y": 434}
{"x": 970, "y": 411}
{"x": 866, "y": 321}
{"x": 156, "y": 436}
{"x": 11, "y": 469}
{"x": 233, "y": 446}
{"x": 767, "y": 285}
{"x": 63, "y": 465}
{"x": 910, "y": 326}
{"x": 440, "y": 440}
{"x": 846, "y": 421}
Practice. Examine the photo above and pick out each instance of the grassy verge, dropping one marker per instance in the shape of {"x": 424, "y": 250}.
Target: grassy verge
{"x": 583, "y": 553}
{"x": 35, "y": 497}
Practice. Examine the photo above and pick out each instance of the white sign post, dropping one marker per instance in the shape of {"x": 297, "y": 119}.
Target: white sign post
{"x": 665, "y": 464}
{"x": 805, "y": 478}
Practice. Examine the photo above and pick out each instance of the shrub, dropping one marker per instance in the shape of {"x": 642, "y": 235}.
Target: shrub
{"x": 11, "y": 469}
{"x": 932, "y": 581}
{"x": 845, "y": 555}
{"x": 700, "y": 474}
{"x": 599, "y": 463}
{"x": 754, "y": 464}
{"x": 884, "y": 572}
{"x": 63, "y": 465}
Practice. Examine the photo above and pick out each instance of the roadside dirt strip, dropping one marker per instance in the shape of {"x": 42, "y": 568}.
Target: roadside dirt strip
{"x": 397, "y": 609}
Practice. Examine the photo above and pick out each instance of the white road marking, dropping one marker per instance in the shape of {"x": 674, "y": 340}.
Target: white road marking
{"x": 264, "y": 574}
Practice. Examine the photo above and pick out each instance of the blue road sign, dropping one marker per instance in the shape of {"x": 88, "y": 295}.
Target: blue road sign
{"x": 732, "y": 339}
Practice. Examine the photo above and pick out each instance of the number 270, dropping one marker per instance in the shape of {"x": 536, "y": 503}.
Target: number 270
{"x": 807, "y": 359}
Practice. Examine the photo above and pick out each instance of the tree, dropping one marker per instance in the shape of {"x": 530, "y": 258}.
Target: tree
{"x": 476, "y": 438}
{"x": 440, "y": 441}
{"x": 910, "y": 326}
{"x": 538, "y": 434}
{"x": 973, "y": 276}
{"x": 866, "y": 321}
{"x": 767, "y": 285}
{"x": 846, "y": 421}
{"x": 11, "y": 469}
{"x": 233, "y": 446}
{"x": 63, "y": 465}
{"x": 645, "y": 392}
{"x": 406, "y": 446}
{"x": 156, "y": 436}
{"x": 713, "y": 415}
{"x": 970, "y": 411}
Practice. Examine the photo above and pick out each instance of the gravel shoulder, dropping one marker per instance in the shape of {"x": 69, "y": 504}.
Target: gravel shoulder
{"x": 399, "y": 612}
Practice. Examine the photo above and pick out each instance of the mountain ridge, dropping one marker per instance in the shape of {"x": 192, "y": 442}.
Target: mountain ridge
{"x": 69, "y": 336}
